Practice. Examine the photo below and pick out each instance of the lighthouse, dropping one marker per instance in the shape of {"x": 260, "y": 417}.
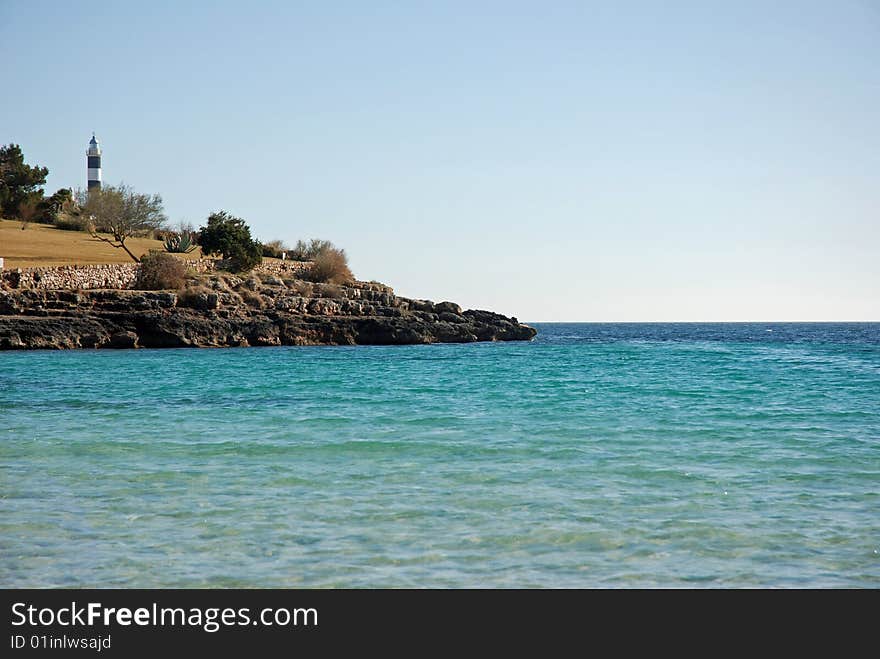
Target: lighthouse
{"x": 94, "y": 163}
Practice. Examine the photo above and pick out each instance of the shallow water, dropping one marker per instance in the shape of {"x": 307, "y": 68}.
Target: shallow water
{"x": 616, "y": 455}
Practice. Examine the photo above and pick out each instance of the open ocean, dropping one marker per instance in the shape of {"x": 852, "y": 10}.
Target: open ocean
{"x": 598, "y": 455}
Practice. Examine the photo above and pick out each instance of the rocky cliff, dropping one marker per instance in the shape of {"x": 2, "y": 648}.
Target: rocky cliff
{"x": 224, "y": 310}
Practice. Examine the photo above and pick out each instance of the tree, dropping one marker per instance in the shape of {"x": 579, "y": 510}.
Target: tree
{"x": 19, "y": 182}
{"x": 50, "y": 208}
{"x": 121, "y": 212}
{"x": 230, "y": 237}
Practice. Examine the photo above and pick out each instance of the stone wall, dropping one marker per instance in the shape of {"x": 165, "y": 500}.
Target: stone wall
{"x": 73, "y": 277}
{"x": 118, "y": 275}
{"x": 282, "y": 268}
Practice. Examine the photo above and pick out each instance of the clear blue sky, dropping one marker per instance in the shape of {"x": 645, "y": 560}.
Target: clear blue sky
{"x": 549, "y": 160}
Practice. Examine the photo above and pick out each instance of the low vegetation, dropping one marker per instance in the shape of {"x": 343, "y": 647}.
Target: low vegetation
{"x": 274, "y": 249}
{"x": 197, "y": 297}
{"x": 328, "y": 290}
{"x": 46, "y": 245}
{"x": 251, "y": 298}
{"x": 308, "y": 250}
{"x": 161, "y": 271}
{"x": 230, "y": 237}
{"x": 72, "y": 223}
{"x": 180, "y": 243}
{"x": 330, "y": 266}
{"x": 26, "y": 211}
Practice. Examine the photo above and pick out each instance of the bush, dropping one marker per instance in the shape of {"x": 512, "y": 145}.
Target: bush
{"x": 306, "y": 251}
{"x": 330, "y": 266}
{"x": 230, "y": 237}
{"x": 27, "y": 211}
{"x": 161, "y": 271}
{"x": 67, "y": 222}
{"x": 274, "y": 249}
{"x": 244, "y": 258}
{"x": 251, "y": 298}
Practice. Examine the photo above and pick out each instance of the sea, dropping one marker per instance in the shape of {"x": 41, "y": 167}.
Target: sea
{"x": 595, "y": 456}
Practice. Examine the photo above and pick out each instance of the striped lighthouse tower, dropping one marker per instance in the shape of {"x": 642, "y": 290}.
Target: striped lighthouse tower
{"x": 94, "y": 163}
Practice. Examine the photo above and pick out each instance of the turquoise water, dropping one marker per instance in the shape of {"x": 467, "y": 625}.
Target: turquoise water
{"x": 596, "y": 455}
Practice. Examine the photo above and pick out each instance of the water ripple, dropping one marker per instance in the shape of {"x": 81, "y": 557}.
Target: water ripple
{"x": 598, "y": 455}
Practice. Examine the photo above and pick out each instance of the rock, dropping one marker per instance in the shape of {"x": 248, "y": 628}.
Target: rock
{"x": 8, "y": 303}
{"x": 123, "y": 340}
{"x": 324, "y": 307}
{"x": 448, "y": 307}
{"x": 92, "y": 340}
{"x": 11, "y": 341}
{"x": 166, "y": 300}
{"x": 449, "y": 317}
{"x": 421, "y": 305}
{"x": 291, "y": 304}
{"x": 266, "y": 340}
{"x": 204, "y": 301}
{"x": 358, "y": 313}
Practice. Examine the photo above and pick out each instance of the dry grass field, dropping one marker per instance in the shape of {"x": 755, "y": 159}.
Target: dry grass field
{"x": 42, "y": 245}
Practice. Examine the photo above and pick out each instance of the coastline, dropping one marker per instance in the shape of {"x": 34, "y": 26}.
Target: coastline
{"x": 228, "y": 311}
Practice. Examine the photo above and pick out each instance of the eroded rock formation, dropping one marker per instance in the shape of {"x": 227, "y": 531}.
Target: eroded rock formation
{"x": 224, "y": 310}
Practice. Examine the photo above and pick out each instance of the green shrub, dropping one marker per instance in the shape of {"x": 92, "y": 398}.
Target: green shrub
{"x": 160, "y": 271}
{"x": 330, "y": 266}
{"x": 244, "y": 258}
{"x": 230, "y": 237}
{"x": 180, "y": 243}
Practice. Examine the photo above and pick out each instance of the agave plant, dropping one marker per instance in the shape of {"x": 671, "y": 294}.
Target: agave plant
{"x": 180, "y": 243}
